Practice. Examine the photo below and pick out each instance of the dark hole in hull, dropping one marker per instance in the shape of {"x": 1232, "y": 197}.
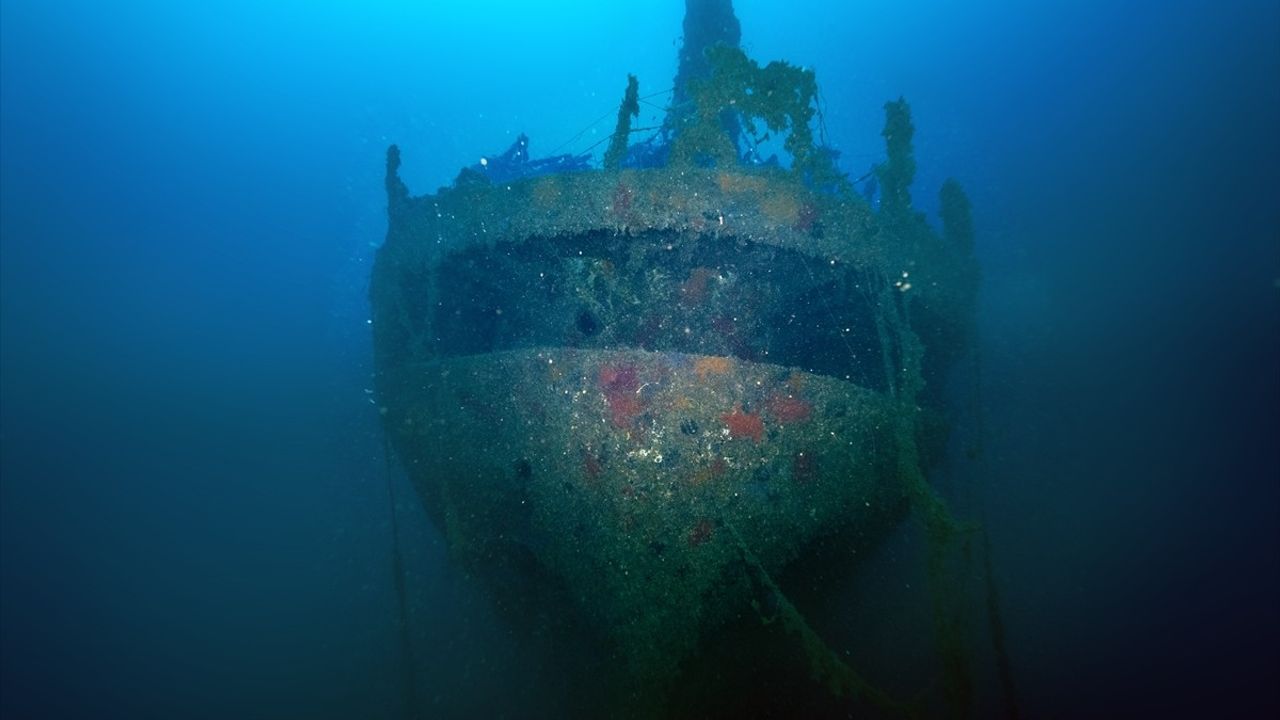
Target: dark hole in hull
{"x": 660, "y": 291}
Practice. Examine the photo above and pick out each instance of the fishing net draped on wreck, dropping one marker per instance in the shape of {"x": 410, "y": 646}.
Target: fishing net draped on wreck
{"x": 646, "y": 391}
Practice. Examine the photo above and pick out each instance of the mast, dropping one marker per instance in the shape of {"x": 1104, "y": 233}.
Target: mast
{"x": 706, "y": 23}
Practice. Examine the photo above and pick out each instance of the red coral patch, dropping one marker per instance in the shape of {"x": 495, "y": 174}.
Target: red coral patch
{"x": 742, "y": 424}
{"x": 622, "y": 199}
{"x": 806, "y": 217}
{"x": 592, "y": 467}
{"x": 788, "y": 408}
{"x": 620, "y": 384}
{"x": 694, "y": 290}
{"x": 717, "y": 468}
{"x": 701, "y": 533}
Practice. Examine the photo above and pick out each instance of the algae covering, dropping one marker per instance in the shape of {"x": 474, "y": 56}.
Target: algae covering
{"x": 625, "y": 470}
{"x": 634, "y": 397}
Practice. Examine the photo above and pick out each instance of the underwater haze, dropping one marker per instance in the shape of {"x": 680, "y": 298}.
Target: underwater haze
{"x": 194, "y": 510}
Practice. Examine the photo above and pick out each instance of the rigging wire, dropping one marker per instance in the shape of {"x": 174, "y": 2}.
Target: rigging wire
{"x": 606, "y": 116}
{"x": 819, "y": 102}
{"x": 995, "y": 618}
{"x": 603, "y": 140}
{"x": 408, "y": 663}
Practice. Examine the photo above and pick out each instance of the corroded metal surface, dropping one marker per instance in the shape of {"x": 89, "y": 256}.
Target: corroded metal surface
{"x": 621, "y": 473}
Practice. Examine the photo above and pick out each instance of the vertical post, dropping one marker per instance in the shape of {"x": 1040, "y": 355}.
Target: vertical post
{"x": 899, "y": 170}
{"x": 630, "y": 108}
{"x": 706, "y": 23}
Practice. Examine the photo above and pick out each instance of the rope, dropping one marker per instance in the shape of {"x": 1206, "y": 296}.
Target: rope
{"x": 822, "y": 121}
{"x": 1004, "y": 667}
{"x": 599, "y": 142}
{"x": 407, "y": 660}
{"x": 995, "y": 619}
{"x": 597, "y": 121}
{"x": 940, "y": 528}
{"x": 823, "y": 661}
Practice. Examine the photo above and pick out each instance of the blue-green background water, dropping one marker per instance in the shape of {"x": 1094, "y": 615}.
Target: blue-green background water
{"x": 193, "y": 520}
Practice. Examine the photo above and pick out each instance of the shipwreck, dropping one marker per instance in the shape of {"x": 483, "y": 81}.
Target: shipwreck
{"x": 635, "y": 396}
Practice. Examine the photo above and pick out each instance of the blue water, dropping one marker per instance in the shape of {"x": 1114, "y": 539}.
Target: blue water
{"x": 194, "y": 521}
